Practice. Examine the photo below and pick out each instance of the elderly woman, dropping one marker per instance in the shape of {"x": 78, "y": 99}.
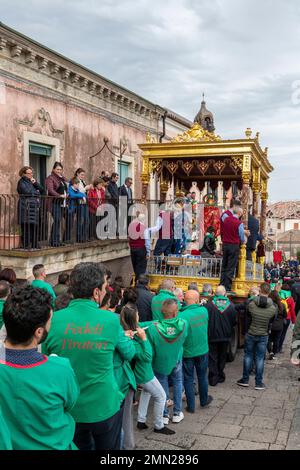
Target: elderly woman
{"x": 29, "y": 207}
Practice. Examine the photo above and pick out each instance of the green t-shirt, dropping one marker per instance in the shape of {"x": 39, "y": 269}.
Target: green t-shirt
{"x": 142, "y": 361}
{"x": 5, "y": 439}
{"x": 46, "y": 286}
{"x": 157, "y": 302}
{"x": 167, "y": 338}
{"x": 2, "y": 302}
{"x": 36, "y": 403}
{"x": 88, "y": 336}
{"x": 196, "y": 343}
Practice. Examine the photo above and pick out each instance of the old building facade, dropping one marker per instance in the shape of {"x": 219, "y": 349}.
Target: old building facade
{"x": 53, "y": 109}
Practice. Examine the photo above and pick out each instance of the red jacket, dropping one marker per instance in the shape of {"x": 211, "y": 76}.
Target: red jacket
{"x": 94, "y": 201}
{"x": 291, "y": 314}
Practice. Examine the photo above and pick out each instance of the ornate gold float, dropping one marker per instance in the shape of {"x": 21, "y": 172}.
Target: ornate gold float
{"x": 199, "y": 155}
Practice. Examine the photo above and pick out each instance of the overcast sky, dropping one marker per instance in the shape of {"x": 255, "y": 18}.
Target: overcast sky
{"x": 243, "y": 54}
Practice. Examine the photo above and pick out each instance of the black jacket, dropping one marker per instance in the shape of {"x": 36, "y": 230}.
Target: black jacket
{"x": 209, "y": 245}
{"x": 296, "y": 295}
{"x": 220, "y": 324}
{"x": 123, "y": 192}
{"x": 29, "y": 201}
{"x": 113, "y": 190}
{"x": 144, "y": 303}
{"x": 253, "y": 226}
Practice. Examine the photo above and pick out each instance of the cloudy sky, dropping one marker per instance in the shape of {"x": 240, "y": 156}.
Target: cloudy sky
{"x": 244, "y": 55}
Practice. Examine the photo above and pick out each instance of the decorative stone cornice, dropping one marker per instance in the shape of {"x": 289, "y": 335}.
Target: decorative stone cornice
{"x": 28, "y": 53}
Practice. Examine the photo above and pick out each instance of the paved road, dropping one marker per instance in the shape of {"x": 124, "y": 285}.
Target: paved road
{"x": 239, "y": 418}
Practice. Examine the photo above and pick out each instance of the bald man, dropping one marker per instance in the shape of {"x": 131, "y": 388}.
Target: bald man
{"x": 195, "y": 350}
{"x": 166, "y": 292}
{"x": 222, "y": 319}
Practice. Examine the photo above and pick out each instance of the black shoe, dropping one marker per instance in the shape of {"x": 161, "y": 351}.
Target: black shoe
{"x": 141, "y": 425}
{"x": 165, "y": 430}
{"x": 260, "y": 386}
{"x": 213, "y": 384}
{"x": 209, "y": 400}
{"x": 187, "y": 409}
{"x": 242, "y": 383}
{"x": 221, "y": 380}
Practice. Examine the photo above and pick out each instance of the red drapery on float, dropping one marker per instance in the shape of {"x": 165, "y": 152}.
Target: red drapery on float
{"x": 212, "y": 218}
{"x": 277, "y": 257}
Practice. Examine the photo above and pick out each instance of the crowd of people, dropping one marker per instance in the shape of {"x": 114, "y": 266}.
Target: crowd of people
{"x": 71, "y": 202}
{"x": 74, "y": 357}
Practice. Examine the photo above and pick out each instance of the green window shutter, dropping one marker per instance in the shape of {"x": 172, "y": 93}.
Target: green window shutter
{"x": 40, "y": 149}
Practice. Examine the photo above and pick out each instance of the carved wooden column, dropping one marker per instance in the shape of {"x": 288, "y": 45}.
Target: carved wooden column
{"x": 255, "y": 200}
{"x": 145, "y": 178}
{"x": 245, "y": 202}
{"x": 246, "y": 188}
{"x": 264, "y": 201}
{"x": 255, "y": 188}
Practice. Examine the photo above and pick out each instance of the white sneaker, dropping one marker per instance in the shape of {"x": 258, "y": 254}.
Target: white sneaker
{"x": 178, "y": 418}
{"x": 165, "y": 421}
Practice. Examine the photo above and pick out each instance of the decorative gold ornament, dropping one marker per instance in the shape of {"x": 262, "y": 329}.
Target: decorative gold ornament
{"x": 155, "y": 166}
{"x": 187, "y": 166}
{"x": 246, "y": 163}
{"x": 248, "y": 133}
{"x": 197, "y": 134}
{"x": 203, "y": 167}
{"x": 236, "y": 162}
{"x": 219, "y": 166}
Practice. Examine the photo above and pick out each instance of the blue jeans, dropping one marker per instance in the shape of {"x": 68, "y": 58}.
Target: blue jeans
{"x": 254, "y": 345}
{"x": 200, "y": 363}
{"x": 176, "y": 377}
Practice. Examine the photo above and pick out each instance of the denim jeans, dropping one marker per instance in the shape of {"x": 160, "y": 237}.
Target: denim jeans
{"x": 176, "y": 377}
{"x": 199, "y": 363}
{"x": 152, "y": 389}
{"x": 254, "y": 345}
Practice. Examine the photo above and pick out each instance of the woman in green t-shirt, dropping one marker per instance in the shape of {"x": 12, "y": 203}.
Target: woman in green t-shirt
{"x": 142, "y": 368}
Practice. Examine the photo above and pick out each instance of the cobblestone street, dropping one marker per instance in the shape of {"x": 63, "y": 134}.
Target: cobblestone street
{"x": 239, "y": 418}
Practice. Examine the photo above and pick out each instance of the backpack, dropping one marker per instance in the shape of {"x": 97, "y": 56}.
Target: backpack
{"x": 286, "y": 308}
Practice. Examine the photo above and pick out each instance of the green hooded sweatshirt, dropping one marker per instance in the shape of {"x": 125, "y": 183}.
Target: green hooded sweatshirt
{"x": 285, "y": 294}
{"x": 196, "y": 343}
{"x": 2, "y": 302}
{"x": 221, "y": 302}
{"x": 157, "y": 302}
{"x": 167, "y": 338}
{"x": 142, "y": 362}
{"x": 122, "y": 369}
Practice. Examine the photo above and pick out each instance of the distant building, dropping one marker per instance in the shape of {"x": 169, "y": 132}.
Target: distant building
{"x": 283, "y": 227}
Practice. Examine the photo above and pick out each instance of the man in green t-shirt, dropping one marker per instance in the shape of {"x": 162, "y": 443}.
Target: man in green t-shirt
{"x": 40, "y": 275}
{"x": 89, "y": 336}
{"x": 195, "y": 350}
{"x": 166, "y": 291}
{"x": 37, "y": 392}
